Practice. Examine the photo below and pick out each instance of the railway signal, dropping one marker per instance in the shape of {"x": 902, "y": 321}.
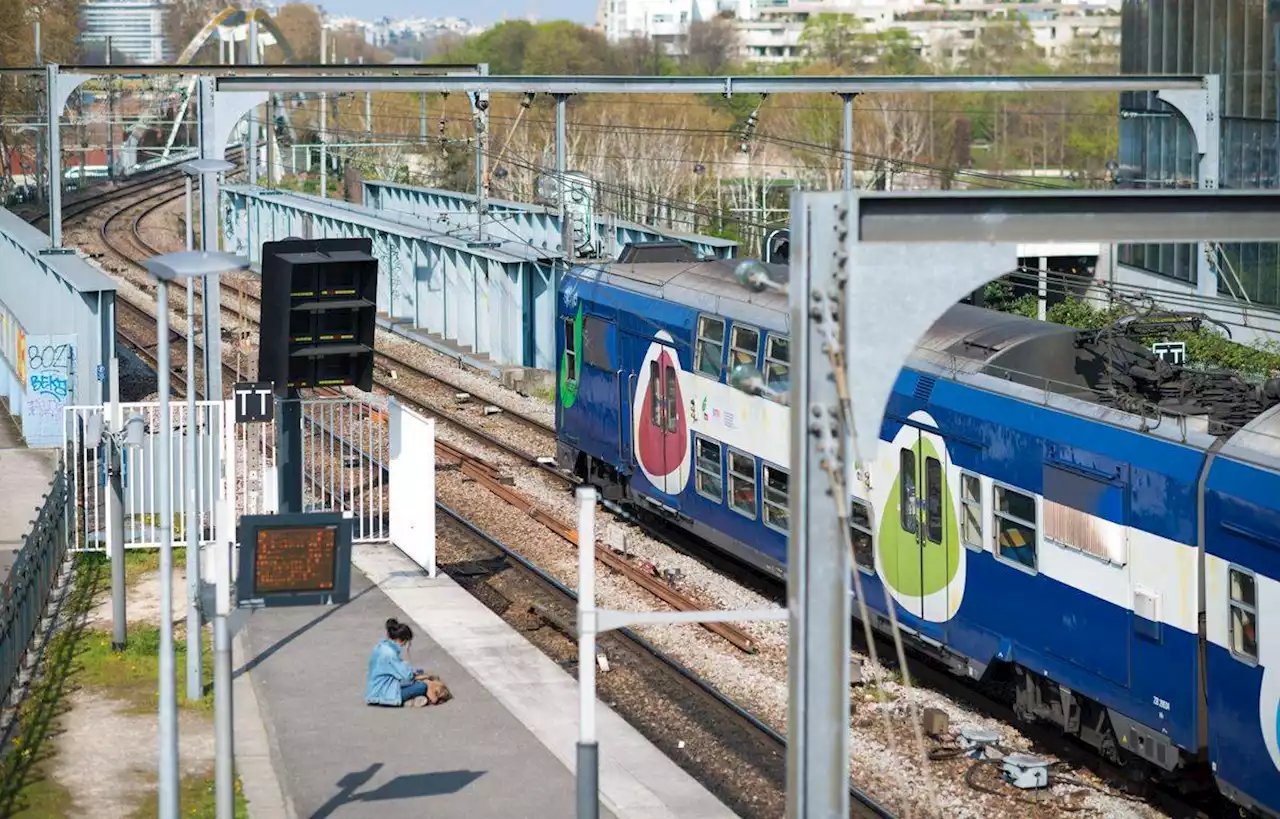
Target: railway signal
{"x": 319, "y": 313}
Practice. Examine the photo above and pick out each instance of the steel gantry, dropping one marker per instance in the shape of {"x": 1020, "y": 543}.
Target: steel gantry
{"x": 837, "y": 233}
{"x": 818, "y": 582}
{"x": 939, "y": 247}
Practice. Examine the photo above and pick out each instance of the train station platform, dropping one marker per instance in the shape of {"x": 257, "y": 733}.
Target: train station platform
{"x": 503, "y": 747}
{"x": 25, "y": 477}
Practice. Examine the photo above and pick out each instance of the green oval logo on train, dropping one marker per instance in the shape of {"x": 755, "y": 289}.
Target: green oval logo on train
{"x": 918, "y": 552}
{"x": 568, "y": 381}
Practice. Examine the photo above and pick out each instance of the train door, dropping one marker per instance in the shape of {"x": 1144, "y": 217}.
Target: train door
{"x": 924, "y": 558}
{"x": 661, "y": 442}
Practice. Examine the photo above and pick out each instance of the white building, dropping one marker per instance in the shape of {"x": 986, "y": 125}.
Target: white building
{"x": 663, "y": 20}
{"x": 136, "y": 28}
{"x": 380, "y": 32}
{"x": 770, "y": 30}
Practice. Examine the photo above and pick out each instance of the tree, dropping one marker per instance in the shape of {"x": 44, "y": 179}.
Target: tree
{"x": 502, "y": 47}
{"x": 836, "y": 39}
{"x": 300, "y": 25}
{"x": 897, "y": 52}
{"x": 711, "y": 46}
{"x": 562, "y": 47}
{"x": 1006, "y": 47}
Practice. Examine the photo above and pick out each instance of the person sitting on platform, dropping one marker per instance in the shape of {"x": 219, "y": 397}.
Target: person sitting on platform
{"x": 392, "y": 681}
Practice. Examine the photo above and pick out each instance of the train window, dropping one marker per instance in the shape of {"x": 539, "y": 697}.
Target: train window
{"x": 710, "y": 353}
{"x": 1244, "y": 614}
{"x": 655, "y": 396}
{"x": 860, "y": 524}
{"x": 933, "y": 499}
{"x": 745, "y": 346}
{"x": 1096, "y": 532}
{"x": 777, "y": 363}
{"x": 709, "y": 482}
{"x": 595, "y": 343}
{"x": 672, "y": 396}
{"x": 776, "y": 484}
{"x": 1015, "y": 522}
{"x": 971, "y": 510}
{"x": 742, "y": 483}
{"x": 907, "y": 491}
{"x": 570, "y": 352}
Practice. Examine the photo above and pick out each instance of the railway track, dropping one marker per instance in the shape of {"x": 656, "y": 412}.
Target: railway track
{"x": 754, "y": 739}
{"x": 738, "y": 757}
{"x": 750, "y": 736}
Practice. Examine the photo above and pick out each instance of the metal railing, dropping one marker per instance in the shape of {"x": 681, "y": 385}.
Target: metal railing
{"x": 345, "y": 450}
{"x": 142, "y": 474}
{"x": 27, "y": 589}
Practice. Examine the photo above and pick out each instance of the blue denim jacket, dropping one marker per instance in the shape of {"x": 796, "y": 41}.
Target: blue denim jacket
{"x": 387, "y": 672}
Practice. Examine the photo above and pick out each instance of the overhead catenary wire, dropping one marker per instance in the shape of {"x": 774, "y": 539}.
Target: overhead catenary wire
{"x": 971, "y": 176}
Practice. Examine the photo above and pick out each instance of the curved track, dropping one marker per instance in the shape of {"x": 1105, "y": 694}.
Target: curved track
{"x": 129, "y": 246}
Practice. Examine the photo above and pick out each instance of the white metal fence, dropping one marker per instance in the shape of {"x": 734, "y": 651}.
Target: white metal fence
{"x": 345, "y": 457}
{"x": 141, "y": 473}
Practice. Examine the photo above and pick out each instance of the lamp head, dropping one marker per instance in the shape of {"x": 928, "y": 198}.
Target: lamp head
{"x": 196, "y": 167}
{"x": 189, "y": 264}
{"x": 752, "y": 275}
{"x": 135, "y": 429}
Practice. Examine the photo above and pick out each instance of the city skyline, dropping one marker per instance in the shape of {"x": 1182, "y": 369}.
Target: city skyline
{"x": 480, "y": 12}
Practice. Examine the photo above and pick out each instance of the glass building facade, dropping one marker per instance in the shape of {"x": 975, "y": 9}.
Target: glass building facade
{"x": 1237, "y": 40}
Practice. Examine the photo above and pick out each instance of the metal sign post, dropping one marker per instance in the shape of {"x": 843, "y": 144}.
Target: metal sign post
{"x": 254, "y": 402}
{"x": 593, "y": 621}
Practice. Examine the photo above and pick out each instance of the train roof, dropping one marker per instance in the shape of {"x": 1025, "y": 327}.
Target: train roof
{"x": 1258, "y": 441}
{"x": 1102, "y": 367}
{"x": 967, "y": 338}
{"x": 708, "y": 286}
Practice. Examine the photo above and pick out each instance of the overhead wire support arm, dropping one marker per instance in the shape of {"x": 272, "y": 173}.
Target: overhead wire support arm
{"x": 708, "y": 85}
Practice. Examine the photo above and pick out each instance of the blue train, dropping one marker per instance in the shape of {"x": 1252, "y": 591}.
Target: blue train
{"x": 1112, "y": 561}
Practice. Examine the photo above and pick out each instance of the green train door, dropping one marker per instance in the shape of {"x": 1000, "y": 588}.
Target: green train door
{"x": 924, "y": 560}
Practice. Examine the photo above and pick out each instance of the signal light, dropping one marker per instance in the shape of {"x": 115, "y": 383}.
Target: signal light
{"x": 319, "y": 314}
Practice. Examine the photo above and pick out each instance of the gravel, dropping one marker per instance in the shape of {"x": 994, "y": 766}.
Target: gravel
{"x": 886, "y": 758}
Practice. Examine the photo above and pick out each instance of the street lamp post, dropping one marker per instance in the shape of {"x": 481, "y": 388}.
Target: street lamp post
{"x": 168, "y": 268}
{"x": 195, "y": 657}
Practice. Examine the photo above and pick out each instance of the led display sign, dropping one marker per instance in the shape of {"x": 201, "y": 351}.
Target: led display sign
{"x": 294, "y": 560}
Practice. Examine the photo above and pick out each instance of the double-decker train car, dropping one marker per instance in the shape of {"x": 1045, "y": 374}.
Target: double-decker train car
{"x": 1053, "y": 508}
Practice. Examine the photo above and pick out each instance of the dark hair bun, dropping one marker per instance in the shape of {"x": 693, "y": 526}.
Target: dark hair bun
{"x": 398, "y": 631}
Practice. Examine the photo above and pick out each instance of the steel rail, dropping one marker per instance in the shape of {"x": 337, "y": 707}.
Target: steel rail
{"x": 866, "y": 805}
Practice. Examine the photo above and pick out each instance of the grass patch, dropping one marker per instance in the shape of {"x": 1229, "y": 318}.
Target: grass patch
{"x": 138, "y": 563}
{"x": 42, "y": 798}
{"x": 196, "y": 800}
{"x": 132, "y": 675}
{"x": 26, "y": 791}
{"x": 78, "y": 657}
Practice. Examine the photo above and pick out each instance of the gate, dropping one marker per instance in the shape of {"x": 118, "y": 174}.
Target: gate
{"x": 345, "y": 452}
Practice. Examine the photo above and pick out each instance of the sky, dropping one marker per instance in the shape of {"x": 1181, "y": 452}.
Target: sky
{"x": 483, "y": 12}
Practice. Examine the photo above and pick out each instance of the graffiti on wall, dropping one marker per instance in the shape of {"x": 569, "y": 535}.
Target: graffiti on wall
{"x": 48, "y": 380}
{"x": 12, "y": 343}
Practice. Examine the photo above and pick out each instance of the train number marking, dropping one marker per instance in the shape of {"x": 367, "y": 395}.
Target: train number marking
{"x": 1163, "y": 705}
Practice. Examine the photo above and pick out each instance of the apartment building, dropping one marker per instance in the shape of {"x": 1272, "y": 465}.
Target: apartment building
{"x": 136, "y": 28}
{"x": 770, "y": 31}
